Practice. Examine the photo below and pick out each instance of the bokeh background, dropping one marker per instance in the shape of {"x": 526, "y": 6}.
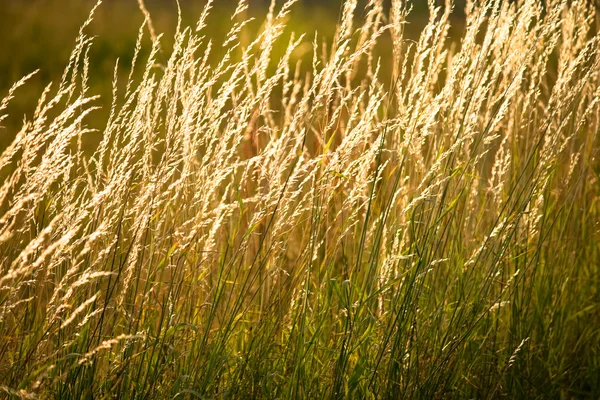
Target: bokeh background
{"x": 40, "y": 34}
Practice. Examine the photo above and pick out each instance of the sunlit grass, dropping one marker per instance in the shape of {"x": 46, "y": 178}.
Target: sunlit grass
{"x": 390, "y": 219}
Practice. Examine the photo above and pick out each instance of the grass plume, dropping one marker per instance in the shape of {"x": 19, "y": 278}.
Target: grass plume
{"x": 249, "y": 226}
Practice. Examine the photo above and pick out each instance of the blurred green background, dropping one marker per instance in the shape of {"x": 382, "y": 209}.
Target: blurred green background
{"x": 40, "y": 34}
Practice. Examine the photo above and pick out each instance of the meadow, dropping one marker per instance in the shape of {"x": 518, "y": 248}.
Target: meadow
{"x": 383, "y": 202}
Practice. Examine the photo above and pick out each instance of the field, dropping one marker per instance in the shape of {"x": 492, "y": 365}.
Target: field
{"x": 299, "y": 201}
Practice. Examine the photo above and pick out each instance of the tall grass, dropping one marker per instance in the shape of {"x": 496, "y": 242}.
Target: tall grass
{"x": 252, "y": 228}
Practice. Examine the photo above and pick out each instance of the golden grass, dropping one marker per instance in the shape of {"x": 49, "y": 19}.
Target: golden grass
{"x": 254, "y": 228}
